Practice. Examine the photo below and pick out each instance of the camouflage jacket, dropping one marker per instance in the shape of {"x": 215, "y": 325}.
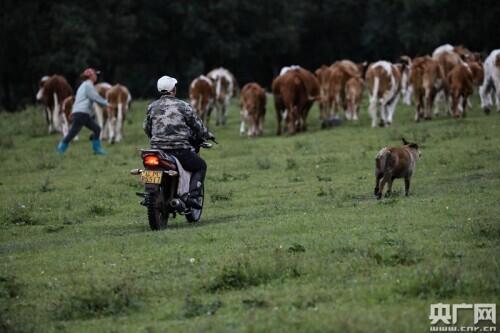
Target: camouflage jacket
{"x": 172, "y": 124}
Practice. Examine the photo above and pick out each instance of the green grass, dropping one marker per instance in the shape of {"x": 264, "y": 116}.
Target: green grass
{"x": 291, "y": 239}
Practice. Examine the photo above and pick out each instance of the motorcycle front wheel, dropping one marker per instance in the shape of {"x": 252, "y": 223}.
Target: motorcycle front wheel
{"x": 157, "y": 217}
{"x": 195, "y": 214}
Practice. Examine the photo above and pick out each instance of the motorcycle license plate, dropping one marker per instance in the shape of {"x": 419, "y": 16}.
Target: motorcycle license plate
{"x": 151, "y": 177}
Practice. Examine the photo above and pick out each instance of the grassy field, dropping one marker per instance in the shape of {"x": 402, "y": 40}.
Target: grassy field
{"x": 291, "y": 240}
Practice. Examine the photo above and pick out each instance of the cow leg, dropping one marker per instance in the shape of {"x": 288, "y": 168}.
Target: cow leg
{"x": 485, "y": 92}
{"x": 430, "y": 97}
{"x": 48, "y": 117}
{"x": 407, "y": 95}
{"x": 65, "y": 128}
{"x": 99, "y": 117}
{"x": 119, "y": 123}
{"x": 385, "y": 179}
{"x": 355, "y": 113}
{"x": 56, "y": 117}
{"x": 378, "y": 177}
{"x": 464, "y": 101}
{"x": 243, "y": 117}
{"x": 407, "y": 185}
{"x": 348, "y": 112}
{"x": 111, "y": 128}
{"x": 496, "y": 89}
{"x": 225, "y": 107}
{"x": 383, "y": 114}
{"x": 372, "y": 109}
{"x": 438, "y": 100}
{"x": 391, "y": 108}
{"x": 278, "y": 121}
{"x": 389, "y": 187}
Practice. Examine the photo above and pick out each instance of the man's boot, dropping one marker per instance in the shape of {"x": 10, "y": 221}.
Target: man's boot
{"x": 96, "y": 146}
{"x": 61, "y": 147}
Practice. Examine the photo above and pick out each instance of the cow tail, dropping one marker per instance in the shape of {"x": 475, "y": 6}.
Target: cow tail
{"x": 383, "y": 161}
{"x": 376, "y": 83}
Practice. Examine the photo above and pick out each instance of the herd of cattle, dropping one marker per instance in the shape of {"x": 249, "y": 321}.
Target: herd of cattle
{"x": 449, "y": 75}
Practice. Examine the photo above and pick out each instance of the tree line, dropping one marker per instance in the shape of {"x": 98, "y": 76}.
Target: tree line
{"x": 135, "y": 42}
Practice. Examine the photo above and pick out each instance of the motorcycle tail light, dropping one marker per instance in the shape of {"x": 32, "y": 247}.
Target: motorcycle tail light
{"x": 151, "y": 160}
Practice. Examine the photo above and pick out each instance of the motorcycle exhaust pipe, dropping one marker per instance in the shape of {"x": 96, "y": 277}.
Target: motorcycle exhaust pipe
{"x": 178, "y": 205}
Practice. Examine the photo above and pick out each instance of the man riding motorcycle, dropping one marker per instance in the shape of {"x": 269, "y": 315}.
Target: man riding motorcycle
{"x": 172, "y": 126}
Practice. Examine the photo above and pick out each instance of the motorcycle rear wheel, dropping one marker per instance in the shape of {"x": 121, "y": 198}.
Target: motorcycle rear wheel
{"x": 157, "y": 218}
{"x": 195, "y": 214}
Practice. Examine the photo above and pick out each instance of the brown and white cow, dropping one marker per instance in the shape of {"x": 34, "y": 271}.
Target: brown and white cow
{"x": 51, "y": 93}
{"x": 253, "y": 109}
{"x": 225, "y": 88}
{"x": 118, "y": 98}
{"x": 383, "y": 81}
{"x": 460, "y": 86}
{"x": 426, "y": 80}
{"x": 100, "y": 112}
{"x": 490, "y": 88}
{"x": 295, "y": 90}
{"x": 202, "y": 96}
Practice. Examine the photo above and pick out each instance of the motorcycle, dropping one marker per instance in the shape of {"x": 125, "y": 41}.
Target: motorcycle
{"x": 162, "y": 194}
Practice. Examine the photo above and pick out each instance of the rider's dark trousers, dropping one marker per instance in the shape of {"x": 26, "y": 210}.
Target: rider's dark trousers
{"x": 191, "y": 162}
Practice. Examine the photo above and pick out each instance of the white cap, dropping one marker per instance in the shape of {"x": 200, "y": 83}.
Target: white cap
{"x": 166, "y": 83}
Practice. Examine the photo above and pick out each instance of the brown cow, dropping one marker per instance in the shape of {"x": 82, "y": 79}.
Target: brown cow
{"x": 225, "y": 88}
{"x": 290, "y": 96}
{"x": 333, "y": 82}
{"x": 395, "y": 162}
{"x": 52, "y": 92}
{"x": 313, "y": 93}
{"x": 383, "y": 81}
{"x": 202, "y": 96}
{"x": 323, "y": 74}
{"x": 353, "y": 97}
{"x": 460, "y": 85}
{"x": 448, "y": 57}
{"x": 426, "y": 80}
{"x": 253, "y": 109}
{"x": 118, "y": 98}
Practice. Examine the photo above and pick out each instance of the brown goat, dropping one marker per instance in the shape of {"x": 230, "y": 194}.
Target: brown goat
{"x": 395, "y": 162}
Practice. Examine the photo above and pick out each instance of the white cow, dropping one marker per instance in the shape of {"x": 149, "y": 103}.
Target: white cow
{"x": 491, "y": 83}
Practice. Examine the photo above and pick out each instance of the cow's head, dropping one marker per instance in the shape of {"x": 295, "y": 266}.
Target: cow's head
{"x": 39, "y": 94}
{"x": 412, "y": 146}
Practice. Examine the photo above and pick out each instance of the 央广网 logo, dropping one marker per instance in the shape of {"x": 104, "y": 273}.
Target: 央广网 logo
{"x": 446, "y": 316}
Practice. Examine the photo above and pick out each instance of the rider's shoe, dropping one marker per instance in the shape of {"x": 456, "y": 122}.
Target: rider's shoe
{"x": 191, "y": 202}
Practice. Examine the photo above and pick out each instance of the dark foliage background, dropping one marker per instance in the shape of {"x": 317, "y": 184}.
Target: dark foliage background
{"x": 135, "y": 42}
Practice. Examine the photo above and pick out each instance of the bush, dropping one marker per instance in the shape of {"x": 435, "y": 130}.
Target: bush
{"x": 194, "y": 308}
{"x": 94, "y": 302}
{"x": 242, "y": 275}
{"x": 263, "y": 163}
{"x": 21, "y": 214}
